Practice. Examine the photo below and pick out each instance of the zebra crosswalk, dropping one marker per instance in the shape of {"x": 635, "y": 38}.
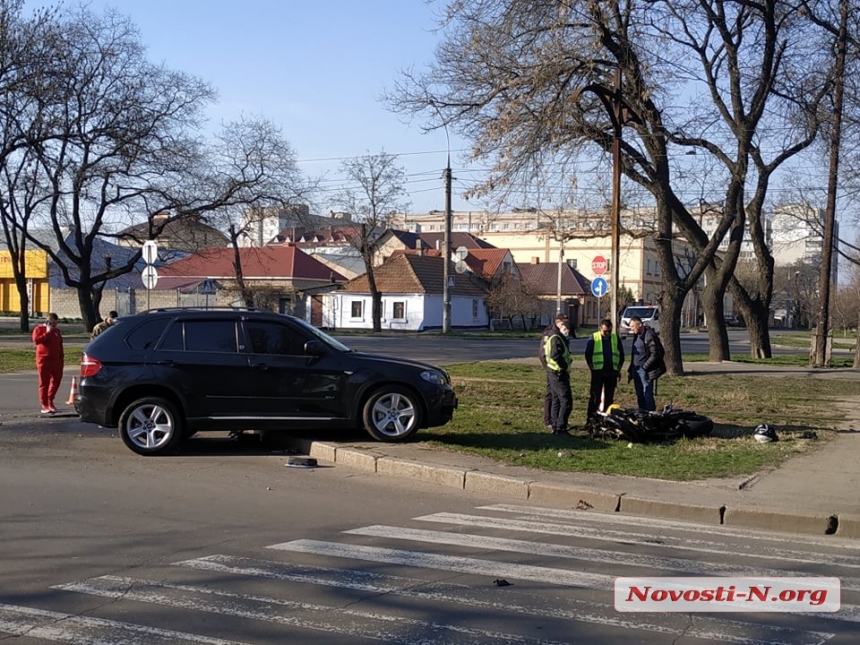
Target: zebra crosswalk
{"x": 502, "y": 574}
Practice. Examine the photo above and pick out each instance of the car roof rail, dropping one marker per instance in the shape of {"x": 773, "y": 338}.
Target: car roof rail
{"x": 218, "y": 308}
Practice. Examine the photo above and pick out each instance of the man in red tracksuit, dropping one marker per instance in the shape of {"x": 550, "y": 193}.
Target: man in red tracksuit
{"x": 49, "y": 361}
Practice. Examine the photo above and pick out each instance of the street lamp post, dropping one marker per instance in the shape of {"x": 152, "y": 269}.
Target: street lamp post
{"x": 446, "y": 243}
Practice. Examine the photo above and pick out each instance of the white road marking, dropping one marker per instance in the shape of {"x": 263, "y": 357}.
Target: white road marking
{"x": 440, "y": 562}
{"x": 527, "y": 512}
{"x": 679, "y": 543}
{"x": 510, "y": 601}
{"x": 477, "y": 566}
{"x": 623, "y": 558}
{"x": 86, "y": 630}
{"x": 325, "y": 618}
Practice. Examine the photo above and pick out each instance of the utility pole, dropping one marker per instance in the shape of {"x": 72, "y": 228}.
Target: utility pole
{"x": 619, "y": 113}
{"x": 560, "y": 265}
{"x": 446, "y": 277}
{"x": 618, "y": 120}
{"x": 824, "y": 279}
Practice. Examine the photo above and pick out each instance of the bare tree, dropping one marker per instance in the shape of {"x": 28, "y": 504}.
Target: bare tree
{"x": 510, "y": 297}
{"x": 738, "y": 83}
{"x": 257, "y": 168}
{"x": 124, "y": 142}
{"x": 25, "y": 88}
{"x": 375, "y": 195}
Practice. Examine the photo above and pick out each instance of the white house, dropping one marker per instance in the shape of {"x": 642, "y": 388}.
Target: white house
{"x": 411, "y": 288}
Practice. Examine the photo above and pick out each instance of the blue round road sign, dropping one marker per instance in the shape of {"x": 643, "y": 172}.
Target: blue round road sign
{"x": 599, "y": 287}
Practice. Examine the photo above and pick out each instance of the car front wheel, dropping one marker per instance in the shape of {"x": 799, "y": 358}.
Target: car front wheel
{"x": 392, "y": 414}
{"x": 151, "y": 426}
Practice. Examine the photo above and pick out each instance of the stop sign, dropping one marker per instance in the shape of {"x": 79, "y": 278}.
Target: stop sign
{"x": 598, "y": 265}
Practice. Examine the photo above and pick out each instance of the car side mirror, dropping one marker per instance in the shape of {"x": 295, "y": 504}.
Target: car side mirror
{"x": 315, "y": 348}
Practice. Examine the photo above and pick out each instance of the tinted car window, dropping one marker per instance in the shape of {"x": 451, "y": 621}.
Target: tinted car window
{"x": 200, "y": 336}
{"x": 173, "y": 339}
{"x": 147, "y": 334}
{"x": 272, "y": 338}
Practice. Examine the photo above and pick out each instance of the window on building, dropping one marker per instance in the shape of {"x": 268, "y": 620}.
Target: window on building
{"x": 475, "y": 309}
{"x": 356, "y": 309}
{"x": 648, "y": 267}
{"x": 399, "y": 311}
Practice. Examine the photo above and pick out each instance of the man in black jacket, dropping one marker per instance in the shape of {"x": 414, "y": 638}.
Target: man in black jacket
{"x": 646, "y": 363}
{"x": 551, "y": 329}
{"x": 557, "y": 357}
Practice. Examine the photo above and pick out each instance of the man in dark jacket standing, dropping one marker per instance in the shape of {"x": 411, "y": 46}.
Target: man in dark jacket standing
{"x": 646, "y": 363}
{"x": 557, "y": 356}
{"x": 604, "y": 354}
{"x": 551, "y": 329}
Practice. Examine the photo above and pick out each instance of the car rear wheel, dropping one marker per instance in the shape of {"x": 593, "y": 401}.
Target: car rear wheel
{"x": 151, "y": 426}
{"x": 392, "y": 414}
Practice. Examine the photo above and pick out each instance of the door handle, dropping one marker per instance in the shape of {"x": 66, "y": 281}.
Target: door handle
{"x": 167, "y": 363}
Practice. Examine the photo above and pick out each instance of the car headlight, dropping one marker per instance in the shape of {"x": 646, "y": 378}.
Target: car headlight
{"x": 436, "y": 378}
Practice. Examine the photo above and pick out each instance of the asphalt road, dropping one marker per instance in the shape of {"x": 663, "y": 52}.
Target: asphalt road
{"x": 437, "y": 349}
{"x": 224, "y": 544}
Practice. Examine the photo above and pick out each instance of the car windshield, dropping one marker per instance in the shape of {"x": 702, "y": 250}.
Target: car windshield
{"x": 328, "y": 340}
{"x": 642, "y": 312}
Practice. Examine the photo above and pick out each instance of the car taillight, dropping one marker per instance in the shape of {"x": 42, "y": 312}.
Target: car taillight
{"x": 89, "y": 366}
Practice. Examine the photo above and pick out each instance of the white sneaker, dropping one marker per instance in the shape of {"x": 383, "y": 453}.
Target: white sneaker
{"x": 47, "y": 411}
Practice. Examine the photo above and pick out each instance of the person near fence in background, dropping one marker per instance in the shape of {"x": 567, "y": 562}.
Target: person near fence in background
{"x": 604, "y": 354}
{"x": 646, "y": 363}
{"x": 104, "y": 324}
{"x": 557, "y": 356}
{"x": 49, "y": 361}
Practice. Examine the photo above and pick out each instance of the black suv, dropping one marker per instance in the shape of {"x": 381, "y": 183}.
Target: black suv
{"x": 163, "y": 375}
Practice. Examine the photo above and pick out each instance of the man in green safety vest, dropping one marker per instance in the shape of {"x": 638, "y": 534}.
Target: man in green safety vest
{"x": 557, "y": 355}
{"x": 604, "y": 354}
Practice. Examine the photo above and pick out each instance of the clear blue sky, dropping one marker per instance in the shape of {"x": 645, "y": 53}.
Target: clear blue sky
{"x": 316, "y": 68}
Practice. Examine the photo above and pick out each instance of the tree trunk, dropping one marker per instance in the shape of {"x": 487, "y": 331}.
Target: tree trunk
{"x": 375, "y": 296}
{"x": 712, "y": 305}
{"x": 244, "y": 292}
{"x": 857, "y": 346}
{"x": 757, "y": 328}
{"x": 670, "y": 332}
{"x": 88, "y": 310}
{"x": 24, "y": 301}
{"x": 756, "y": 315}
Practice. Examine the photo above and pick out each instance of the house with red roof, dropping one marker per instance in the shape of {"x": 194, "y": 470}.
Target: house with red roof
{"x": 281, "y": 276}
{"x": 577, "y": 302}
{"x": 411, "y": 286}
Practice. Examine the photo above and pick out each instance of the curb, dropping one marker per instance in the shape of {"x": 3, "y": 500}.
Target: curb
{"x": 578, "y": 497}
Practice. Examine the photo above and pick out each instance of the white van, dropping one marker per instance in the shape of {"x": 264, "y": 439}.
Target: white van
{"x": 650, "y": 315}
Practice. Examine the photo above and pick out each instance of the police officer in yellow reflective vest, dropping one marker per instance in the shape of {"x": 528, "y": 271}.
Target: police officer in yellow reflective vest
{"x": 604, "y": 354}
{"x": 557, "y": 354}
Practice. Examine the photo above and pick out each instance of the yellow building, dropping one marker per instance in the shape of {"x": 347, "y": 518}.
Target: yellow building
{"x": 36, "y": 269}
